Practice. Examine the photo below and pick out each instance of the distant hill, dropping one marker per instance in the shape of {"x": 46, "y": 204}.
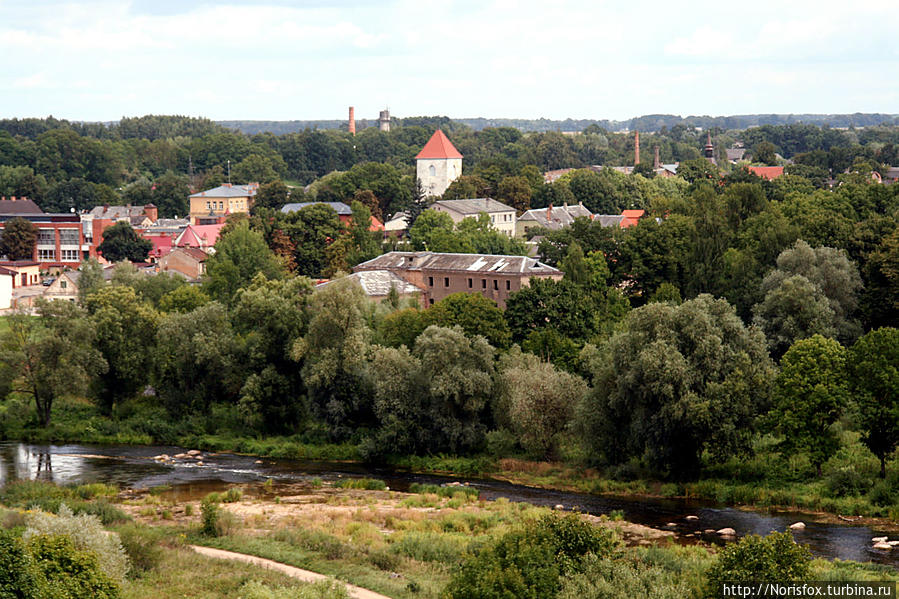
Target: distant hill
{"x": 650, "y": 122}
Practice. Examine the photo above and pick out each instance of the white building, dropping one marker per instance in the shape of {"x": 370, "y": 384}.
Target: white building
{"x": 502, "y": 217}
{"x": 6, "y": 284}
{"x": 438, "y": 164}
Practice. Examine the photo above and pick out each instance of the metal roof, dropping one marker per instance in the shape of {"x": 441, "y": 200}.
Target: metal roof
{"x": 458, "y": 262}
{"x": 338, "y": 207}
{"x": 474, "y": 206}
{"x": 227, "y": 191}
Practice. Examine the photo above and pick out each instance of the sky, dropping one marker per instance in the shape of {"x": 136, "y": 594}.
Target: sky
{"x": 307, "y": 60}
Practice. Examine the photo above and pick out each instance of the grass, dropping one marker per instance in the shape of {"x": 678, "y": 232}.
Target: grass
{"x": 368, "y": 484}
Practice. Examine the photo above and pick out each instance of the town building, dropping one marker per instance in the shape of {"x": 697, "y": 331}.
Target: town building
{"x": 439, "y": 275}
{"x": 199, "y": 236}
{"x": 501, "y": 216}
{"x": 60, "y": 240}
{"x": 100, "y": 218}
{"x": 376, "y": 284}
{"x": 7, "y": 278}
{"x": 344, "y": 212}
{"x": 27, "y": 272}
{"x": 438, "y": 164}
{"x": 189, "y": 262}
{"x": 550, "y": 218}
{"x": 64, "y": 286}
{"x": 213, "y": 206}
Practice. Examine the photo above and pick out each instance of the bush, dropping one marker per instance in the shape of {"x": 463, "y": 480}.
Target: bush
{"x": 430, "y": 547}
{"x": 369, "y": 484}
{"x": 530, "y": 563}
{"x": 211, "y": 511}
{"x": 86, "y": 534}
{"x": 882, "y": 494}
{"x": 71, "y": 572}
{"x": 775, "y": 558}
{"x": 232, "y": 495}
{"x": 608, "y": 579}
{"x": 19, "y": 575}
{"x": 320, "y": 590}
{"x": 383, "y": 560}
{"x": 142, "y": 546}
{"x": 846, "y": 482}
{"x": 444, "y": 491}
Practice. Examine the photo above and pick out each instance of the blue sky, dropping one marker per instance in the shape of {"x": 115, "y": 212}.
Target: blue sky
{"x": 281, "y": 60}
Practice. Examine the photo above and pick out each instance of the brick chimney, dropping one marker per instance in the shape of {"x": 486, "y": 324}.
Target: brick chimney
{"x": 352, "y": 120}
{"x": 636, "y": 148}
{"x": 151, "y": 212}
{"x": 549, "y": 213}
{"x": 657, "y": 161}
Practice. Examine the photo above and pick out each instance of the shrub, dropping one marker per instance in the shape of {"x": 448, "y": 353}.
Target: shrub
{"x": 775, "y": 558}
{"x": 369, "y": 484}
{"x": 211, "y": 514}
{"x": 325, "y": 589}
{"x": 882, "y": 494}
{"x": 86, "y": 534}
{"x": 69, "y": 571}
{"x": 105, "y": 511}
{"x": 430, "y": 547}
{"x": 142, "y": 546}
{"x": 844, "y": 482}
{"x": 443, "y": 491}
{"x": 383, "y": 560}
{"x": 529, "y": 563}
{"x": 608, "y": 579}
{"x": 19, "y": 575}
{"x": 232, "y": 495}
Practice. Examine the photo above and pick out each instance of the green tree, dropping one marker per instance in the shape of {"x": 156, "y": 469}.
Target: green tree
{"x": 810, "y": 395}
{"x": 466, "y": 187}
{"x": 401, "y": 327}
{"x": 125, "y": 330}
{"x": 754, "y": 559}
{"x": 90, "y": 279}
{"x": 120, "y": 242}
{"x": 71, "y": 572}
{"x": 183, "y": 299}
{"x": 514, "y": 192}
{"x": 271, "y": 195}
{"x": 540, "y": 402}
{"x": 676, "y": 381}
{"x": 20, "y": 576}
{"x": 312, "y": 230}
{"x": 53, "y": 354}
{"x": 239, "y": 255}
{"x": 795, "y": 309}
{"x": 873, "y": 367}
{"x": 256, "y": 168}
{"x": 334, "y": 352}
{"x": 365, "y": 244}
{"x": 476, "y": 314}
{"x": 764, "y": 152}
{"x": 428, "y": 227}
{"x": 17, "y": 239}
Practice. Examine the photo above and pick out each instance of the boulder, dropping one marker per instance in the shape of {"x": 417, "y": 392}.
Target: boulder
{"x": 797, "y": 526}
{"x": 692, "y": 518}
{"x": 708, "y": 531}
{"x": 879, "y": 539}
{"x": 893, "y": 543}
{"x": 727, "y": 532}
{"x": 194, "y": 452}
{"x": 181, "y": 456}
{"x": 883, "y": 545}
{"x": 558, "y": 506}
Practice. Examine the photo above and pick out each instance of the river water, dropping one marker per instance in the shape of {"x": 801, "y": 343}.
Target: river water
{"x": 134, "y": 467}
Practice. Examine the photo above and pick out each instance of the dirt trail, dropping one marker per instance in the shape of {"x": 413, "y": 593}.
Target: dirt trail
{"x": 300, "y": 574}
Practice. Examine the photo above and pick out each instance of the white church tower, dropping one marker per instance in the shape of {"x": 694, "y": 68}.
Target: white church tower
{"x": 438, "y": 164}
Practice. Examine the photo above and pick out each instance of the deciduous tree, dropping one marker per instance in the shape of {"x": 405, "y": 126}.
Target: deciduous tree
{"x": 17, "y": 239}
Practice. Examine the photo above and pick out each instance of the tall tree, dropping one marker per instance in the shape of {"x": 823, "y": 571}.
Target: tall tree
{"x": 17, "y": 239}
{"x": 53, "y": 354}
{"x": 873, "y": 367}
{"x": 120, "y": 242}
{"x": 810, "y": 395}
{"x": 239, "y": 256}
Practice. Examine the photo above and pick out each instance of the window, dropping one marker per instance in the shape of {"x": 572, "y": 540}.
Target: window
{"x": 495, "y": 285}
{"x": 46, "y": 237}
{"x": 508, "y": 284}
{"x": 470, "y": 281}
{"x": 431, "y": 301}
{"x": 208, "y": 207}
{"x": 46, "y": 255}
{"x": 446, "y": 281}
{"x": 63, "y": 284}
{"x": 432, "y": 171}
{"x": 70, "y": 255}
{"x": 483, "y": 283}
{"x": 68, "y": 237}
{"x": 430, "y": 281}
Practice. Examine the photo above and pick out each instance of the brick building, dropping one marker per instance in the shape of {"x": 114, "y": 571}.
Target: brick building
{"x": 60, "y": 240}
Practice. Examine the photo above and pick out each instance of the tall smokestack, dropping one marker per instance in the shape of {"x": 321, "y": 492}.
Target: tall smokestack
{"x": 352, "y": 120}
{"x": 657, "y": 161}
{"x": 636, "y": 148}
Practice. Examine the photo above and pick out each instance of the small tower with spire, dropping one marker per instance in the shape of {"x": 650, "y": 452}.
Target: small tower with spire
{"x": 709, "y": 150}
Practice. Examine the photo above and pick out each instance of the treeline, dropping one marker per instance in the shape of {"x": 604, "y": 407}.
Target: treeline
{"x": 160, "y": 159}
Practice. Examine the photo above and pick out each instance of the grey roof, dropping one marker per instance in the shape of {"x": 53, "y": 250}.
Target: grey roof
{"x": 19, "y": 206}
{"x": 474, "y": 206}
{"x": 377, "y": 283}
{"x": 458, "y": 262}
{"x": 555, "y": 217}
{"x": 110, "y": 212}
{"x": 609, "y": 220}
{"x": 227, "y": 191}
{"x": 892, "y": 173}
{"x": 735, "y": 154}
{"x": 339, "y": 207}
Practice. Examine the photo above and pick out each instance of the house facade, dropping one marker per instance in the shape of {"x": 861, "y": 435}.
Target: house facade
{"x": 438, "y": 164}
{"x": 439, "y": 275}
{"x": 502, "y": 217}
{"x": 549, "y": 218}
{"x": 60, "y": 240}
{"x": 214, "y": 205}
{"x": 187, "y": 261}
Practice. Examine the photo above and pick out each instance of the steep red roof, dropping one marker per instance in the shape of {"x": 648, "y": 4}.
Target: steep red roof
{"x": 630, "y": 218}
{"x": 199, "y": 236}
{"x": 767, "y": 172}
{"x": 439, "y": 147}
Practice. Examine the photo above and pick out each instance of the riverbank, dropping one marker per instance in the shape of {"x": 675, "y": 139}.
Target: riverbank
{"x": 762, "y": 482}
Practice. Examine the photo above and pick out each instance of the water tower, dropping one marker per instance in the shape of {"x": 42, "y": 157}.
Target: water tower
{"x": 384, "y": 120}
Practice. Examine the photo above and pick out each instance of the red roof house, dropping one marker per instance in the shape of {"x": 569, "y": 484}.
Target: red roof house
{"x": 630, "y": 217}
{"x": 766, "y": 172}
{"x": 199, "y": 236}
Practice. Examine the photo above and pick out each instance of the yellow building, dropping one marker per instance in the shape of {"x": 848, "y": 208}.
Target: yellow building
{"x": 212, "y": 206}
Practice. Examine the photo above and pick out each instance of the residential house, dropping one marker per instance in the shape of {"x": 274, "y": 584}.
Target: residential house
{"x": 64, "y": 287}
{"x": 397, "y": 225}
{"x": 891, "y": 175}
{"x": 550, "y": 218}
{"x": 199, "y": 236}
{"x": 27, "y": 272}
{"x": 439, "y": 275}
{"x": 214, "y": 205}
{"x": 501, "y": 216}
{"x": 100, "y": 218}
{"x": 377, "y": 284}
{"x": 438, "y": 164}
{"x": 7, "y": 281}
{"x": 187, "y": 261}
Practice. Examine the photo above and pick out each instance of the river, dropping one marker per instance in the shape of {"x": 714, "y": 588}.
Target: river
{"x": 134, "y": 467}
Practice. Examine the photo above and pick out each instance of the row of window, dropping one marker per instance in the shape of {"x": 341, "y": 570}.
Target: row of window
{"x": 446, "y": 283}
{"x": 66, "y": 237}
{"x": 48, "y": 255}
{"x": 221, "y": 205}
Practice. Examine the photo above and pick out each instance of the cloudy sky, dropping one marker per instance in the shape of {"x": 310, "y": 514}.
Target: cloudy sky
{"x": 281, "y": 60}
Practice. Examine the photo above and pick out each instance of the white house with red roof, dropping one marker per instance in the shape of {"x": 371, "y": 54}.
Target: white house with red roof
{"x": 199, "y": 236}
{"x": 438, "y": 164}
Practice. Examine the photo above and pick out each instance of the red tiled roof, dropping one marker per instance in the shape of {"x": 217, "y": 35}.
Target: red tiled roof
{"x": 439, "y": 146}
{"x": 199, "y": 235}
{"x": 376, "y": 225}
{"x": 767, "y": 172}
{"x": 630, "y": 218}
